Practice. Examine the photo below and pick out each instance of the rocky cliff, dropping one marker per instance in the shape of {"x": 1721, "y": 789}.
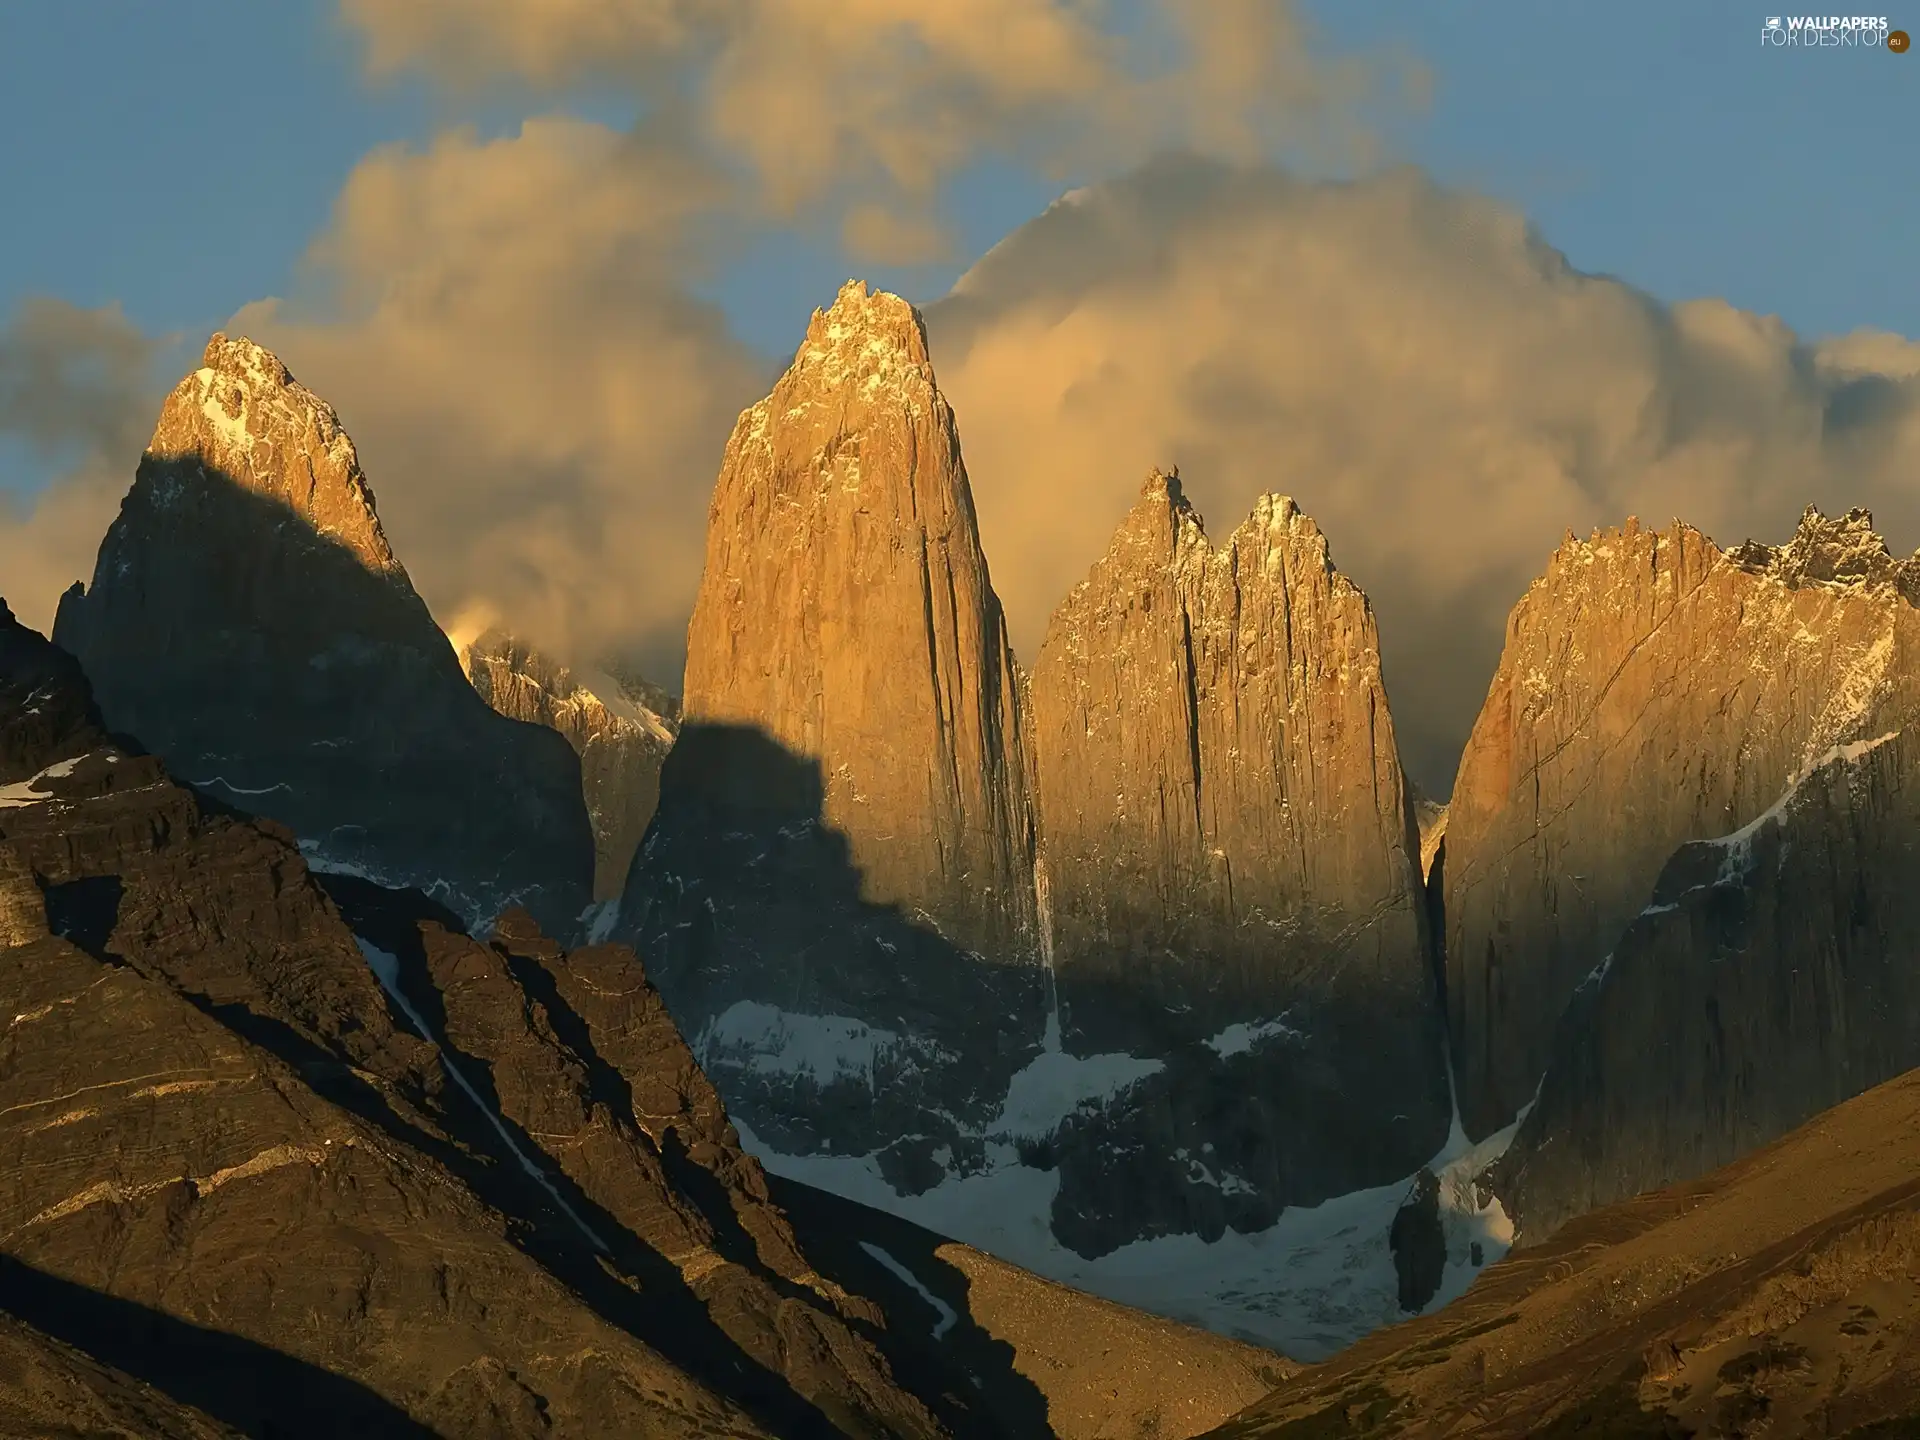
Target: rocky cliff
{"x": 620, "y": 730}
{"x": 1653, "y": 691}
{"x": 248, "y": 1153}
{"x": 837, "y": 892}
{"x": 878, "y": 847}
{"x": 1232, "y": 865}
{"x": 1769, "y": 972}
{"x": 294, "y": 1155}
{"x": 249, "y": 621}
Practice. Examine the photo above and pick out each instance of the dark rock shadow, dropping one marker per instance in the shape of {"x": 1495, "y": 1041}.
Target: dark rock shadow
{"x": 743, "y": 896}
{"x": 266, "y": 663}
{"x": 258, "y": 1390}
{"x": 993, "y": 1401}
{"x": 84, "y": 913}
{"x": 742, "y": 892}
{"x": 628, "y": 1284}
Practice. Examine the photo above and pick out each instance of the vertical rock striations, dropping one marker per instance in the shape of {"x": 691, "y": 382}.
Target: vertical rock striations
{"x": 619, "y": 736}
{"x": 1653, "y": 690}
{"x": 846, "y": 612}
{"x": 1232, "y": 867}
{"x": 1765, "y": 972}
{"x": 248, "y": 620}
{"x": 836, "y": 895}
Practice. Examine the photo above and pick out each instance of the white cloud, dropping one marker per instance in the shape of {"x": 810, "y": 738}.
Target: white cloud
{"x": 1430, "y": 379}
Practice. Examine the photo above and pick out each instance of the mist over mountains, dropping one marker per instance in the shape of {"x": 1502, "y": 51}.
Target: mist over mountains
{"x": 1429, "y": 379}
{"x": 1142, "y": 965}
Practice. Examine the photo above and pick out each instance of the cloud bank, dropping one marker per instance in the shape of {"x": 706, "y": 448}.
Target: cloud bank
{"x": 1419, "y": 369}
{"x": 77, "y": 389}
{"x": 861, "y": 108}
{"x": 504, "y": 329}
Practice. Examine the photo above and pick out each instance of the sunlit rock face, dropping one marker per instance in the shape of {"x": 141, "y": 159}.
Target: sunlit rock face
{"x": 1653, "y": 690}
{"x": 837, "y": 893}
{"x": 1675, "y": 918}
{"x": 1231, "y": 869}
{"x": 248, "y": 619}
{"x": 877, "y": 844}
{"x": 846, "y": 613}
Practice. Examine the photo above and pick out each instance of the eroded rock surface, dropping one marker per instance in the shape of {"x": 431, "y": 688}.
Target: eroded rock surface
{"x": 249, "y": 621}
{"x": 648, "y": 1146}
{"x": 620, "y": 730}
{"x": 1770, "y": 977}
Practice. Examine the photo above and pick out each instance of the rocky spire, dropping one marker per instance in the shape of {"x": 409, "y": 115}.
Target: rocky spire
{"x": 243, "y": 414}
{"x": 249, "y": 621}
{"x": 1653, "y": 691}
{"x": 1228, "y": 841}
{"x": 843, "y": 844}
{"x": 846, "y": 613}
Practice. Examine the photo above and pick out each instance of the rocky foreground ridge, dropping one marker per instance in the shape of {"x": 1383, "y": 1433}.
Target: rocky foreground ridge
{"x": 294, "y": 1154}
{"x": 1779, "y": 1295}
{"x": 249, "y": 621}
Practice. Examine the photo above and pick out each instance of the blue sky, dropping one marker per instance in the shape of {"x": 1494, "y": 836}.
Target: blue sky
{"x": 177, "y": 159}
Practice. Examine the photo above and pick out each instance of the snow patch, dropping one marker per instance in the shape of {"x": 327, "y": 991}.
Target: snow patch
{"x": 611, "y": 694}
{"x": 1054, "y": 1084}
{"x": 1862, "y": 681}
{"x": 1316, "y": 1281}
{"x": 906, "y": 1277}
{"x": 1739, "y": 844}
{"x": 232, "y": 429}
{"x": 28, "y": 792}
{"x": 770, "y": 1041}
{"x": 233, "y": 789}
{"x": 386, "y": 969}
{"x": 1240, "y": 1037}
{"x": 597, "y": 921}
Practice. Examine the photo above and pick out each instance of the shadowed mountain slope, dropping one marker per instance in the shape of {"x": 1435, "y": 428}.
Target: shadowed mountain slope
{"x": 1778, "y": 1295}
{"x": 295, "y": 1154}
{"x": 248, "y": 621}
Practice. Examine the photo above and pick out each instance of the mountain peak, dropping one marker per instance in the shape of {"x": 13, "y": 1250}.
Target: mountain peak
{"x": 244, "y": 416}
{"x": 245, "y": 359}
{"x": 1163, "y": 485}
{"x": 1829, "y": 550}
{"x": 868, "y": 337}
{"x": 1281, "y": 512}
